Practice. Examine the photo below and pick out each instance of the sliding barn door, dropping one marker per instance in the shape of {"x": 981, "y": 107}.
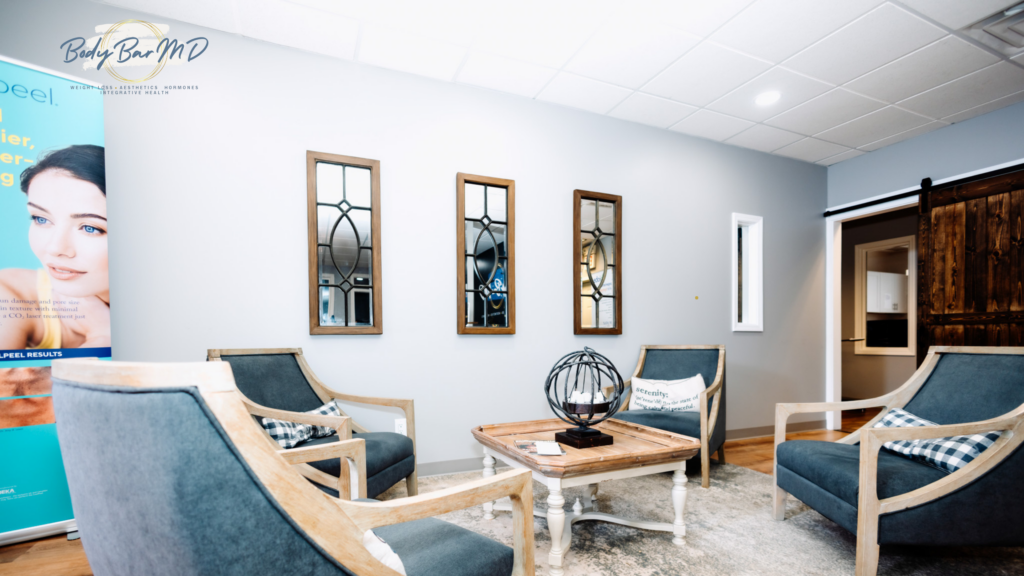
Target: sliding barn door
{"x": 971, "y": 264}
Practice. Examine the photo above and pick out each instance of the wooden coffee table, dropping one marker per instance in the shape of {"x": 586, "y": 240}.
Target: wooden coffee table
{"x": 637, "y": 451}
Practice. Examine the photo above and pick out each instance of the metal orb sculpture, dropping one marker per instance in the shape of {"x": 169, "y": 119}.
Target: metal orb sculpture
{"x": 575, "y": 392}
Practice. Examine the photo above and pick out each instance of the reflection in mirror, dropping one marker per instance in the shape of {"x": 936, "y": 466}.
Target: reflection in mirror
{"x": 885, "y": 304}
{"x": 486, "y": 255}
{"x": 344, "y": 276}
{"x": 598, "y": 282}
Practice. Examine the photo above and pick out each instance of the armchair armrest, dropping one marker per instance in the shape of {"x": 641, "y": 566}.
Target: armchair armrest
{"x": 627, "y": 393}
{"x": 517, "y": 484}
{"x": 340, "y": 424}
{"x": 783, "y": 411}
{"x": 353, "y": 451}
{"x": 406, "y": 405}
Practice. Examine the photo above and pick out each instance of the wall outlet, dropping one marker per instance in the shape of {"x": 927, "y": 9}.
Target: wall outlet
{"x": 400, "y": 426}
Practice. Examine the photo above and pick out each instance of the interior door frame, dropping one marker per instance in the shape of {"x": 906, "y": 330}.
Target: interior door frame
{"x": 833, "y": 277}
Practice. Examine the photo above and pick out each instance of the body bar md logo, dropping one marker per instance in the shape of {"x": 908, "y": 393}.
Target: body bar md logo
{"x": 132, "y": 51}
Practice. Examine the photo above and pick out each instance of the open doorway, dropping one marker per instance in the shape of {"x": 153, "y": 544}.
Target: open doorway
{"x": 878, "y": 296}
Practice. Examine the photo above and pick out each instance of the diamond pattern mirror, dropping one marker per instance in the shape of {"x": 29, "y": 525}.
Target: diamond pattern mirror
{"x": 597, "y": 263}
{"x": 486, "y": 255}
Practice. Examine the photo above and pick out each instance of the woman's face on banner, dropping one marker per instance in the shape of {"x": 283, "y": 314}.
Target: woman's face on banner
{"x": 68, "y": 233}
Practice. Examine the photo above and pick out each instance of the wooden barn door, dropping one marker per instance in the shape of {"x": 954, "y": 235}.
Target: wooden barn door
{"x": 971, "y": 264}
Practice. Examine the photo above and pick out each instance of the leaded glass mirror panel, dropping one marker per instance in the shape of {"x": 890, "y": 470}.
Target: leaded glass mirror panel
{"x": 486, "y": 255}
{"x": 344, "y": 244}
{"x": 597, "y": 268}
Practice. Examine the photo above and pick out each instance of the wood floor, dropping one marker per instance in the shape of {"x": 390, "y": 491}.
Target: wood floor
{"x": 56, "y": 556}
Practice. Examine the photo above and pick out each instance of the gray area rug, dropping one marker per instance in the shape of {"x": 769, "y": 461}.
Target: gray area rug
{"x": 729, "y": 530}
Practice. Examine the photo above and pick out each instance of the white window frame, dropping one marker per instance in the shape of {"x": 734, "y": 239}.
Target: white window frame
{"x": 861, "y": 300}
{"x": 755, "y": 224}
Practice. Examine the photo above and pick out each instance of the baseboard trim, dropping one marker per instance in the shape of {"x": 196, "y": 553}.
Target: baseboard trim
{"x": 759, "y": 431}
{"x": 450, "y": 466}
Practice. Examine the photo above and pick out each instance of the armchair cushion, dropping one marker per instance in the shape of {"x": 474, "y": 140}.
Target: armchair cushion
{"x": 273, "y": 380}
{"x": 685, "y": 423}
{"x": 389, "y": 458}
{"x": 430, "y": 546}
{"x": 947, "y": 454}
{"x": 970, "y": 388}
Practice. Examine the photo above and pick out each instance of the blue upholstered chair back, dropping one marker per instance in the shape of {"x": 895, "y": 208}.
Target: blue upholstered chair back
{"x": 678, "y": 364}
{"x": 274, "y": 381}
{"x": 969, "y": 388}
{"x": 158, "y": 488}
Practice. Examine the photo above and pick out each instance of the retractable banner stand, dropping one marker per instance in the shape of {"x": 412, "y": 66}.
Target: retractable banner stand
{"x": 54, "y": 285}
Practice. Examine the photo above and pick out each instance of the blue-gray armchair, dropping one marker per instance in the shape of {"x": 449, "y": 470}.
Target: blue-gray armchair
{"x": 676, "y": 363}
{"x": 885, "y": 498}
{"x": 278, "y": 383}
{"x": 169, "y": 476}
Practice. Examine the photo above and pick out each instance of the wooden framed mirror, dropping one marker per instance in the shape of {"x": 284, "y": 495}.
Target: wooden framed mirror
{"x": 597, "y": 263}
{"x": 485, "y": 235}
{"x": 343, "y": 203}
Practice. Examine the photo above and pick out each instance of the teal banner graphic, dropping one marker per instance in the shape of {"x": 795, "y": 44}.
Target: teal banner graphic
{"x": 54, "y": 281}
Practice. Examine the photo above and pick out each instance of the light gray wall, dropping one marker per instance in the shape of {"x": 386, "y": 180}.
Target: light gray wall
{"x": 205, "y": 184}
{"x": 871, "y": 376}
{"x": 975, "y": 144}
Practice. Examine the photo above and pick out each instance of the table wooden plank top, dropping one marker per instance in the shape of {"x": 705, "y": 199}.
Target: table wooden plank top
{"x": 634, "y": 446}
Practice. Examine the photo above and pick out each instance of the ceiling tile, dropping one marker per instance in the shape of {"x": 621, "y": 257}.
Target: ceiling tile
{"x": 300, "y": 27}
{"x": 903, "y": 136}
{"x": 935, "y": 64}
{"x": 629, "y": 53}
{"x": 958, "y": 13}
{"x": 840, "y": 157}
{"x": 878, "y": 38}
{"x": 652, "y": 110}
{"x": 708, "y": 124}
{"x": 873, "y": 127}
{"x": 504, "y": 74}
{"x": 704, "y": 74}
{"x": 580, "y": 92}
{"x": 698, "y": 17}
{"x": 826, "y": 111}
{"x": 454, "y": 21}
{"x": 763, "y": 138}
{"x": 975, "y": 89}
{"x": 399, "y": 50}
{"x": 513, "y": 29}
{"x": 777, "y": 29}
{"x": 985, "y": 108}
{"x": 793, "y": 89}
{"x": 811, "y": 150}
{"x": 216, "y": 15}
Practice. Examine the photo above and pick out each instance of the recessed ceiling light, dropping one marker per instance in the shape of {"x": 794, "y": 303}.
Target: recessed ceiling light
{"x": 767, "y": 98}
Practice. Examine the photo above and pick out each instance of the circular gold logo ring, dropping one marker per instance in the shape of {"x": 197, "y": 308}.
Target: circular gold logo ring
{"x": 105, "y": 42}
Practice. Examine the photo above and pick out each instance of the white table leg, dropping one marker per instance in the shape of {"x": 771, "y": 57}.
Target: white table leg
{"x": 590, "y": 497}
{"x": 488, "y": 472}
{"x": 556, "y": 525}
{"x": 679, "y": 504}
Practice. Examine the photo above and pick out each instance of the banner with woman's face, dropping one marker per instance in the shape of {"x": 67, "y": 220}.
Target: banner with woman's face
{"x": 54, "y": 280}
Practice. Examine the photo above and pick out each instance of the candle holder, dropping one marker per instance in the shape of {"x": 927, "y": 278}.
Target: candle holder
{"x": 575, "y": 392}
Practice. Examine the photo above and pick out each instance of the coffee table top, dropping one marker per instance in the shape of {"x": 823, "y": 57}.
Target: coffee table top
{"x": 634, "y": 446}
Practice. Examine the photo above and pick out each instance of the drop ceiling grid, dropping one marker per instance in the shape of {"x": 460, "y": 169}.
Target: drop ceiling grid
{"x": 844, "y": 73}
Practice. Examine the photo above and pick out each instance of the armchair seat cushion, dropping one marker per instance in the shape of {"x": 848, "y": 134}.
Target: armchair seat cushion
{"x": 430, "y": 546}
{"x": 685, "y": 423}
{"x": 389, "y": 458}
{"x": 835, "y": 468}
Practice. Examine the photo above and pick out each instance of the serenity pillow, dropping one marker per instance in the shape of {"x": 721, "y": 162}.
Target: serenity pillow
{"x": 667, "y": 395}
{"x": 380, "y": 550}
{"x": 947, "y": 454}
{"x": 291, "y": 434}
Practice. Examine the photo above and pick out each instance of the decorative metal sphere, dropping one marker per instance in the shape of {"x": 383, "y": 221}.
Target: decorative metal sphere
{"x": 574, "y": 388}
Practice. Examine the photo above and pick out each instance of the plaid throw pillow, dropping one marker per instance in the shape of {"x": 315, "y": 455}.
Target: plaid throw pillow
{"x": 947, "y": 454}
{"x": 291, "y": 434}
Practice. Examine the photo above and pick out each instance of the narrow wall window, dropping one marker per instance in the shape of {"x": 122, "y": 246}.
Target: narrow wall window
{"x": 486, "y": 253}
{"x": 597, "y": 263}
{"x": 343, "y": 200}
{"x": 747, "y": 273}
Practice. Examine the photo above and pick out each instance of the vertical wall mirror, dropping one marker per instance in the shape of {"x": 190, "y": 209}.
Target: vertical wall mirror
{"x": 597, "y": 263}
{"x": 343, "y": 199}
{"x": 885, "y": 305}
{"x": 486, "y": 253}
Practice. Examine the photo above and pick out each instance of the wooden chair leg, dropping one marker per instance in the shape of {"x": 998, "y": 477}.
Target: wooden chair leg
{"x": 721, "y": 454}
{"x": 412, "y": 487}
{"x": 705, "y": 467}
{"x": 779, "y": 504}
{"x": 867, "y": 554}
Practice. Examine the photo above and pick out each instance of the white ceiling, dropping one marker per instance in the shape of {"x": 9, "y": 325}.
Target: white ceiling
{"x": 853, "y": 76}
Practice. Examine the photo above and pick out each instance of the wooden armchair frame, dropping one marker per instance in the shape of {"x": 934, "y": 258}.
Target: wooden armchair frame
{"x": 335, "y": 525}
{"x": 326, "y": 394}
{"x": 869, "y": 507}
{"x": 708, "y": 418}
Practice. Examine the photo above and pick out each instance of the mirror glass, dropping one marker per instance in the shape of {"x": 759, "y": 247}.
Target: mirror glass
{"x": 344, "y": 248}
{"x": 598, "y": 298}
{"x": 485, "y": 228}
